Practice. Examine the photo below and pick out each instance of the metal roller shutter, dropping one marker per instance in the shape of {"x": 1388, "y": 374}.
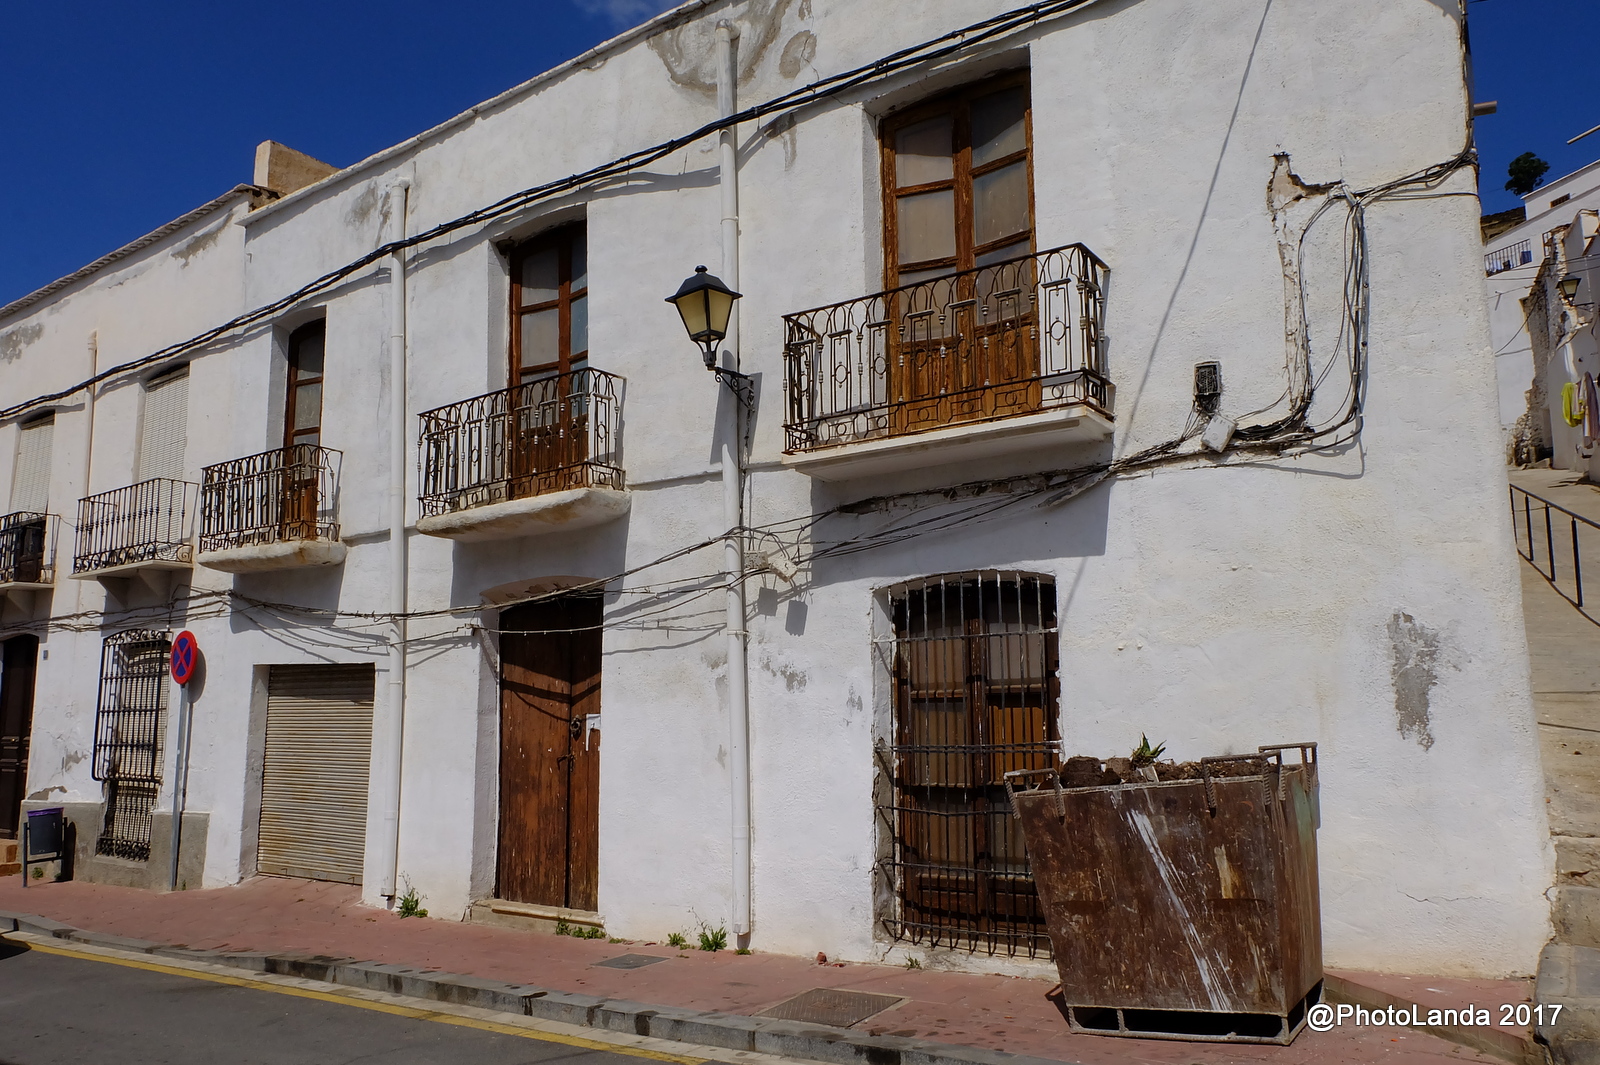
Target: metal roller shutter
{"x": 314, "y": 776}
{"x": 165, "y": 426}
{"x": 30, "y": 483}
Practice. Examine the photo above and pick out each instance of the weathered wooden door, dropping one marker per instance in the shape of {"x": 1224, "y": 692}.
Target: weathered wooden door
{"x": 550, "y": 753}
{"x": 16, "y": 722}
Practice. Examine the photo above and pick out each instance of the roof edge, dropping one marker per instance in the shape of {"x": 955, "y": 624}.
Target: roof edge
{"x": 644, "y": 29}
{"x": 154, "y": 236}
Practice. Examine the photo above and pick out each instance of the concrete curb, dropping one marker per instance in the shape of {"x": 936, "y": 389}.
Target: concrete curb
{"x": 728, "y": 1031}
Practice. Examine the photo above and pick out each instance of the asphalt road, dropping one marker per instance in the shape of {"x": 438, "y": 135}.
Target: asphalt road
{"x": 74, "y": 1010}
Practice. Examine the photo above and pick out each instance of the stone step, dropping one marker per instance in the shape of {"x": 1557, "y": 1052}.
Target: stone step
{"x": 1576, "y": 914}
{"x": 531, "y": 918}
{"x": 1570, "y": 977}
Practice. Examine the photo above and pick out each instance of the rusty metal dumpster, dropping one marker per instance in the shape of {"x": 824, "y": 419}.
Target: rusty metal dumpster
{"x": 1186, "y": 908}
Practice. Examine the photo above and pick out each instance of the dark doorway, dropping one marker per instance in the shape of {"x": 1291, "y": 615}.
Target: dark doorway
{"x": 18, "y": 662}
{"x": 550, "y": 752}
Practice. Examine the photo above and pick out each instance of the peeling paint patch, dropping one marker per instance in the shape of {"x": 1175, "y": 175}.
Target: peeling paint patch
{"x": 44, "y": 793}
{"x": 1414, "y": 673}
{"x": 689, "y": 50}
{"x": 12, "y": 343}
{"x": 798, "y": 54}
{"x": 197, "y": 245}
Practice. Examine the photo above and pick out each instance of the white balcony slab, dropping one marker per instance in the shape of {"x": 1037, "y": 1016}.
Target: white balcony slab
{"x": 1076, "y": 424}
{"x": 287, "y": 554}
{"x": 575, "y": 508}
{"x": 25, "y": 586}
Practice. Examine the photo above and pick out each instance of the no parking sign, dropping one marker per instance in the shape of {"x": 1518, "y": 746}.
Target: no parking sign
{"x": 185, "y": 656}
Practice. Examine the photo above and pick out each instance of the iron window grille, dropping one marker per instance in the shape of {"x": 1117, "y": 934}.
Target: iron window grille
{"x": 975, "y": 696}
{"x": 152, "y": 521}
{"x": 28, "y": 548}
{"x": 282, "y": 495}
{"x": 1000, "y": 341}
{"x": 130, "y": 720}
{"x": 547, "y": 435}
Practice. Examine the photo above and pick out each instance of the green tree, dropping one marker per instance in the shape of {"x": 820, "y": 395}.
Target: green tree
{"x": 1526, "y": 171}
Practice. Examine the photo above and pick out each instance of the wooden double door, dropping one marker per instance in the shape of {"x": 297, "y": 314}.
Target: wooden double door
{"x": 17, "y": 667}
{"x": 550, "y": 753}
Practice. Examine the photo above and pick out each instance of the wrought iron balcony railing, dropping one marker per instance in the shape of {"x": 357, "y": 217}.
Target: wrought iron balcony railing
{"x": 152, "y": 521}
{"x": 286, "y": 494}
{"x": 1508, "y": 258}
{"x": 1004, "y": 340}
{"x": 28, "y": 548}
{"x": 542, "y": 436}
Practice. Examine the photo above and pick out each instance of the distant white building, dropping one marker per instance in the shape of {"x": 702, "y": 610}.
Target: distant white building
{"x": 1513, "y": 259}
{"x": 993, "y": 292}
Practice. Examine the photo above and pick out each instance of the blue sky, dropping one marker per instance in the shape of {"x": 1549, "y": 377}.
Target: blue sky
{"x": 119, "y": 116}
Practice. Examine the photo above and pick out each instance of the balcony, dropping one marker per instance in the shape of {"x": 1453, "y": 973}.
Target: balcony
{"x": 539, "y": 457}
{"x": 146, "y": 526}
{"x": 271, "y": 511}
{"x": 1005, "y": 358}
{"x": 28, "y": 551}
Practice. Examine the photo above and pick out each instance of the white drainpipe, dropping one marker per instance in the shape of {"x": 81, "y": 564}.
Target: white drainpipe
{"x": 391, "y": 742}
{"x": 733, "y": 499}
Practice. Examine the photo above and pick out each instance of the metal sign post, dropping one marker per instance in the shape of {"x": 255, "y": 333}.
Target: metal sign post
{"x": 185, "y": 660}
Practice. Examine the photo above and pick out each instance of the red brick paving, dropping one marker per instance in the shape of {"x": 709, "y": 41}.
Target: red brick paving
{"x": 995, "y": 1012}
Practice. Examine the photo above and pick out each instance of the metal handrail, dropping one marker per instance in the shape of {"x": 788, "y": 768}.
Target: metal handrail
{"x": 28, "y": 548}
{"x": 152, "y": 521}
{"x": 549, "y": 435}
{"x": 1531, "y": 554}
{"x": 999, "y": 341}
{"x": 286, "y": 494}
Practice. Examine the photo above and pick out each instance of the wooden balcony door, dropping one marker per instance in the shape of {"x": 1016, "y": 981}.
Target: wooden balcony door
{"x": 17, "y": 667}
{"x": 549, "y": 341}
{"x": 302, "y": 425}
{"x": 550, "y": 753}
{"x": 958, "y": 203}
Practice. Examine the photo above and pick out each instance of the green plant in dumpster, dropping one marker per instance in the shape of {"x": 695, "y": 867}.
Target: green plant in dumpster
{"x": 1144, "y": 754}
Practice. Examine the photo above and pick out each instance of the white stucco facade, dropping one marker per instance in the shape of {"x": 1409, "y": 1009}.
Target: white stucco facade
{"x": 1363, "y": 596}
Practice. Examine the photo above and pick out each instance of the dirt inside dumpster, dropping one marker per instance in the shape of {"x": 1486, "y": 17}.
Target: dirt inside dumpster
{"x": 1086, "y": 771}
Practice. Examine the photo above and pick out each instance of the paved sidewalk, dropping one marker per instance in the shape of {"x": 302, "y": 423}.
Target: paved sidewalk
{"x": 990, "y": 1013}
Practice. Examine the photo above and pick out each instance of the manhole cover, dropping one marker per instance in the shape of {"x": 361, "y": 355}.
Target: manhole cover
{"x": 629, "y": 961}
{"x": 839, "y": 1009}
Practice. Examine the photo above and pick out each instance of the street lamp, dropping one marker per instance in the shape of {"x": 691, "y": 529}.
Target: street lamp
{"x": 1569, "y": 287}
{"x": 705, "y": 304}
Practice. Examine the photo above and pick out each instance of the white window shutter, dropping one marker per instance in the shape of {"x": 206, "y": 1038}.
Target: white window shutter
{"x": 164, "y": 429}
{"x": 30, "y": 477}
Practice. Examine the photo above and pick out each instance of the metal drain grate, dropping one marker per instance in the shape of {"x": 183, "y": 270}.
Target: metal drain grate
{"x": 838, "y": 1009}
{"x": 629, "y": 961}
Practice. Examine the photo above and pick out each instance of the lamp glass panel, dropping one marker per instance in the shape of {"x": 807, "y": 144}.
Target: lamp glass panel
{"x": 719, "y": 307}
{"x": 692, "y": 308}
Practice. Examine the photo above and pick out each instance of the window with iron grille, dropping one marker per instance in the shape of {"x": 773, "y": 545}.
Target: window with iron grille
{"x": 130, "y": 719}
{"x": 975, "y": 696}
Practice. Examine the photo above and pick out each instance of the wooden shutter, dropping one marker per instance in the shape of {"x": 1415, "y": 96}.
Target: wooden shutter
{"x": 164, "y": 429}
{"x": 315, "y": 774}
{"x": 30, "y": 478}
